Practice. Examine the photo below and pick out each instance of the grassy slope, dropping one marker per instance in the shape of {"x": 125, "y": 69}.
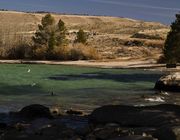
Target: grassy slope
{"x": 107, "y": 34}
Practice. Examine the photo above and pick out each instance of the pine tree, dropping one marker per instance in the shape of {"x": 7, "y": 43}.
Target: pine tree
{"x": 81, "y": 37}
{"x": 172, "y": 44}
{"x": 43, "y": 36}
{"x": 49, "y": 34}
{"x": 61, "y": 33}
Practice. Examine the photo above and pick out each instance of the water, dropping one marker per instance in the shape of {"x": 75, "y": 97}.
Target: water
{"x": 77, "y": 87}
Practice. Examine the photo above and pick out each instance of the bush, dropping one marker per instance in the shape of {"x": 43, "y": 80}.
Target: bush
{"x": 61, "y": 53}
{"x": 19, "y": 52}
{"x": 83, "y": 52}
{"x": 81, "y": 37}
{"x": 134, "y": 43}
{"x": 146, "y": 36}
{"x": 39, "y": 53}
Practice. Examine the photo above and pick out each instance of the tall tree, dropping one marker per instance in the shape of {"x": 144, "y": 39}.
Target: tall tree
{"x": 61, "y": 33}
{"x": 50, "y": 34}
{"x": 172, "y": 43}
{"x": 43, "y": 36}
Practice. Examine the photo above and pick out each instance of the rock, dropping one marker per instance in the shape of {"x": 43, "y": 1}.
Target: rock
{"x": 56, "y": 111}
{"x": 35, "y": 111}
{"x": 90, "y": 137}
{"x": 168, "y": 133}
{"x": 38, "y": 124}
{"x": 3, "y": 125}
{"x": 169, "y": 82}
{"x": 46, "y": 133}
{"x": 105, "y": 133}
{"x": 133, "y": 137}
{"x": 74, "y": 112}
{"x": 150, "y": 116}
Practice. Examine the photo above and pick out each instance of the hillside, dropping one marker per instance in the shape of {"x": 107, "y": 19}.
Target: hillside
{"x": 113, "y": 37}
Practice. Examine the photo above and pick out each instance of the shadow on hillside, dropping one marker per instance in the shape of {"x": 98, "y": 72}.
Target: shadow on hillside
{"x": 127, "y": 78}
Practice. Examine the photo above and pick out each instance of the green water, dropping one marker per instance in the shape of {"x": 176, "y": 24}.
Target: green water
{"x": 72, "y": 86}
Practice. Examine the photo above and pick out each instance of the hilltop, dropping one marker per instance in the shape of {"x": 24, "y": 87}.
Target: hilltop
{"x": 113, "y": 37}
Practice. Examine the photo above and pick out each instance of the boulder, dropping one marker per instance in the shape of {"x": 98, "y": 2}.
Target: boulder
{"x": 74, "y": 112}
{"x": 169, "y": 82}
{"x": 35, "y": 111}
{"x": 168, "y": 133}
{"x": 130, "y": 116}
{"x": 133, "y": 137}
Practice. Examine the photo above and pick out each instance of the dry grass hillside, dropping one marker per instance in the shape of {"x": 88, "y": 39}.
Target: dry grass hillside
{"x": 113, "y": 37}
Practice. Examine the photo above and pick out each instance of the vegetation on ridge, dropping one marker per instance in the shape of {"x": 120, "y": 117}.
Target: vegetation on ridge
{"x": 106, "y": 35}
{"x": 50, "y": 43}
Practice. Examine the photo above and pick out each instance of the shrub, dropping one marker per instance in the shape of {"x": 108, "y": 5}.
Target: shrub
{"x": 146, "y": 36}
{"x": 62, "y": 53}
{"x": 134, "y": 43}
{"x": 76, "y": 53}
{"x": 83, "y": 52}
{"x": 39, "y": 53}
{"x": 18, "y": 52}
{"x": 81, "y": 37}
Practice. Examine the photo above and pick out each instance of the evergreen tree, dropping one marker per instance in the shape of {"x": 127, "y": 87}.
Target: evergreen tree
{"x": 43, "y": 36}
{"x": 81, "y": 37}
{"x": 172, "y": 44}
{"x": 61, "y": 33}
{"x": 49, "y": 34}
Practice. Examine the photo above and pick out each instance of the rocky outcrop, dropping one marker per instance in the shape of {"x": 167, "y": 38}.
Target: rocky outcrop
{"x": 35, "y": 111}
{"x": 160, "y": 121}
{"x": 152, "y": 116}
{"x": 168, "y": 133}
{"x": 169, "y": 82}
{"x": 112, "y": 122}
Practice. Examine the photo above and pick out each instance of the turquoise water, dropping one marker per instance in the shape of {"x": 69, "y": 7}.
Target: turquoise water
{"x": 78, "y": 87}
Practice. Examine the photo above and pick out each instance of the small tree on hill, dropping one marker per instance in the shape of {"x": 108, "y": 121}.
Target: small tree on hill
{"x": 172, "y": 45}
{"x": 81, "y": 37}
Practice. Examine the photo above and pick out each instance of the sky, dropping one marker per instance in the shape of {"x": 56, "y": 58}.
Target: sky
{"x": 149, "y": 10}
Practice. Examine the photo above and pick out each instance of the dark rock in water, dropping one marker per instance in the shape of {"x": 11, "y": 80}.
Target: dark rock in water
{"x": 3, "y": 125}
{"x": 74, "y": 112}
{"x": 134, "y": 137}
{"x": 168, "y": 133}
{"x": 169, "y": 82}
{"x": 35, "y": 111}
{"x": 150, "y": 116}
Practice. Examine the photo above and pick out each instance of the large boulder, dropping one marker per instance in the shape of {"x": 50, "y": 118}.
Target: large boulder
{"x": 133, "y": 137}
{"x": 35, "y": 111}
{"x": 169, "y": 82}
{"x": 168, "y": 133}
{"x": 129, "y": 116}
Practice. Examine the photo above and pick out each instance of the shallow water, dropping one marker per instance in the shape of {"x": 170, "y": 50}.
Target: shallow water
{"x": 77, "y": 87}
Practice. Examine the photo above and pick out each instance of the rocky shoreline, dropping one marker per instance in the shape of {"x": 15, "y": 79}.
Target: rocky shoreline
{"x": 111, "y": 122}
